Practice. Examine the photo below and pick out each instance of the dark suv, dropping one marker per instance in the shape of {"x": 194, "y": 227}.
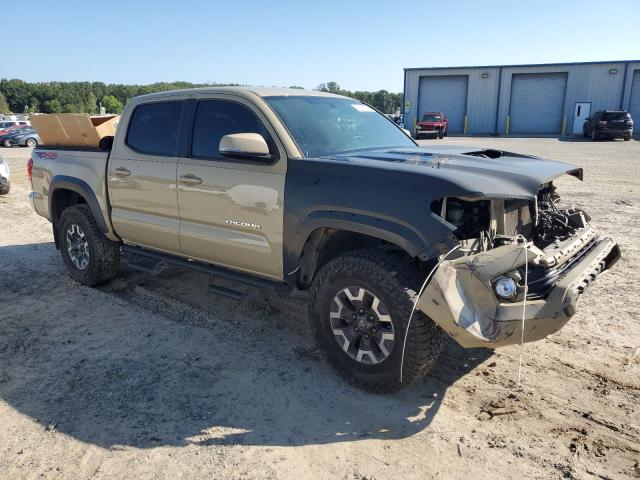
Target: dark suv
{"x": 608, "y": 124}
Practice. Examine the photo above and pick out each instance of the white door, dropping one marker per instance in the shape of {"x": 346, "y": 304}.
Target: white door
{"x": 581, "y": 112}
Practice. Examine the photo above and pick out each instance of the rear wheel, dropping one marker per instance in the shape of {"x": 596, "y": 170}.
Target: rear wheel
{"x": 627, "y": 138}
{"x": 7, "y": 143}
{"x": 90, "y": 257}
{"x": 31, "y": 142}
{"x": 359, "y": 308}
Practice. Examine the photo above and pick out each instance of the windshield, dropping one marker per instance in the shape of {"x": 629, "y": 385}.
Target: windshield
{"x": 325, "y": 126}
{"x": 431, "y": 118}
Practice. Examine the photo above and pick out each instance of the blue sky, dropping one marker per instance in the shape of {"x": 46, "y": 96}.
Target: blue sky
{"x": 361, "y": 45}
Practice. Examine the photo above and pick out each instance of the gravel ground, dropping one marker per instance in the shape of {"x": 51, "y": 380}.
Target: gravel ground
{"x": 154, "y": 377}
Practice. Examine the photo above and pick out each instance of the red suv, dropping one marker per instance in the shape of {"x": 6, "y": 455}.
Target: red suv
{"x": 432, "y": 123}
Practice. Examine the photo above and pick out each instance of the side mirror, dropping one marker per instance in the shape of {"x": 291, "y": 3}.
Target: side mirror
{"x": 248, "y": 146}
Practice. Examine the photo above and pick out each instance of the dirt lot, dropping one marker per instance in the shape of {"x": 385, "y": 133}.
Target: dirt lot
{"x": 154, "y": 377}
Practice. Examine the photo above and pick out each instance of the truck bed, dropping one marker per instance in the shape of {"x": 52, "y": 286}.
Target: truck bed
{"x": 78, "y": 169}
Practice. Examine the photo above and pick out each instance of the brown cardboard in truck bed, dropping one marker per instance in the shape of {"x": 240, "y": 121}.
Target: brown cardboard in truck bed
{"x": 74, "y": 129}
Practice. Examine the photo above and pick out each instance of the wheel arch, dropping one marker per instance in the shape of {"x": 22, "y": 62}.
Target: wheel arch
{"x": 67, "y": 191}
{"x": 326, "y": 235}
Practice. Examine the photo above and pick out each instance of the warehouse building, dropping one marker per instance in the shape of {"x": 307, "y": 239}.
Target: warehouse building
{"x": 550, "y": 99}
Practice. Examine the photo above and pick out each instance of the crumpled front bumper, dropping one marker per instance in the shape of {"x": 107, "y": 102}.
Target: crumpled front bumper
{"x": 461, "y": 300}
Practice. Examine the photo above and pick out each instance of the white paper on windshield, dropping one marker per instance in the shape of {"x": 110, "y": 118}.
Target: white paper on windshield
{"x": 361, "y": 107}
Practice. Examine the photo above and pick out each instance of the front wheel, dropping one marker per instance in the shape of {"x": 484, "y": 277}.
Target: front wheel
{"x": 627, "y": 138}
{"x": 359, "y": 308}
{"x": 90, "y": 257}
{"x": 594, "y": 135}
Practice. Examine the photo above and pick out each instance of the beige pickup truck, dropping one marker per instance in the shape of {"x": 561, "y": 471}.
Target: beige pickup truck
{"x": 397, "y": 244}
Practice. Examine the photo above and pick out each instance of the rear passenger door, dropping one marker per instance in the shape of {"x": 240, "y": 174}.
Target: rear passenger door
{"x": 142, "y": 176}
{"x": 231, "y": 211}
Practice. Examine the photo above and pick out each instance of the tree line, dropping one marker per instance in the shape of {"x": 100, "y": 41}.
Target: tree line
{"x": 18, "y": 96}
{"x": 382, "y": 100}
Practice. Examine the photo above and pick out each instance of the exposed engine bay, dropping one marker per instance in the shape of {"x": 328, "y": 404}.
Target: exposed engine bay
{"x": 557, "y": 235}
{"x": 491, "y": 223}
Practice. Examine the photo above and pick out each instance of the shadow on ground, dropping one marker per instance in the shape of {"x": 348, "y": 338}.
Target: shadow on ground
{"x": 132, "y": 366}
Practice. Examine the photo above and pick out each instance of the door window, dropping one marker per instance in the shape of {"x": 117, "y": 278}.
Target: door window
{"x": 216, "y": 118}
{"x": 153, "y": 128}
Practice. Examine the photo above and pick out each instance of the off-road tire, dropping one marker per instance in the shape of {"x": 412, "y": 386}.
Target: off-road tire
{"x": 395, "y": 281}
{"x": 104, "y": 255}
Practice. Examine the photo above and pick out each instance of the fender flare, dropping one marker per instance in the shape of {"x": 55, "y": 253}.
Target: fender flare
{"x": 306, "y": 236}
{"x": 82, "y": 188}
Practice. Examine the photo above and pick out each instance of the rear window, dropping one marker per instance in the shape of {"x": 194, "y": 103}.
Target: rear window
{"x": 608, "y": 116}
{"x": 153, "y": 128}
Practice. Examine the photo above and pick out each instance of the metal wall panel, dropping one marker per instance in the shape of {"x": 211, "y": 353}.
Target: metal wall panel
{"x": 537, "y": 102}
{"x": 448, "y": 94}
{"x": 634, "y": 100}
{"x": 606, "y": 85}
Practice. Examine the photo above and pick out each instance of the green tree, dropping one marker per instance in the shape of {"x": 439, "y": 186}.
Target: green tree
{"x": 52, "y": 106}
{"x": 4, "y": 106}
{"x": 91, "y": 104}
{"x": 112, "y": 104}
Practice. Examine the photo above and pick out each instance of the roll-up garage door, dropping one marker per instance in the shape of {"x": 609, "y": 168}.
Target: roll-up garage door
{"x": 537, "y": 102}
{"x": 448, "y": 94}
{"x": 634, "y": 102}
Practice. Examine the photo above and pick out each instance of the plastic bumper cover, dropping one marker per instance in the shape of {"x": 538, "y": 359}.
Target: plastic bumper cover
{"x": 460, "y": 296}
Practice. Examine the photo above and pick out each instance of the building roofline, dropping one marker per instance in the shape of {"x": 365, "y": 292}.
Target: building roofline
{"x": 524, "y": 65}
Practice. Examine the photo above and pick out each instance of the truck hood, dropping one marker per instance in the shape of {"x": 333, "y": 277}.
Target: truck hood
{"x": 467, "y": 170}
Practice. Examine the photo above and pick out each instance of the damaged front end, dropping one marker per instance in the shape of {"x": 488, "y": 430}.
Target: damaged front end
{"x": 514, "y": 256}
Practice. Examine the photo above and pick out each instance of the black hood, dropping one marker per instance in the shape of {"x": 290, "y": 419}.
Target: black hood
{"x": 490, "y": 173}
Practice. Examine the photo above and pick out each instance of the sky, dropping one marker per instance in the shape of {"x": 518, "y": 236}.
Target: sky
{"x": 361, "y": 45}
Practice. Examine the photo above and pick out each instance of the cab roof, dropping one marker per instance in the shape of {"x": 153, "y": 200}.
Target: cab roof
{"x": 259, "y": 91}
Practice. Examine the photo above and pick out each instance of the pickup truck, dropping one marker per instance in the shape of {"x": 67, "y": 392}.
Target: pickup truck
{"x": 432, "y": 123}
{"x": 397, "y": 245}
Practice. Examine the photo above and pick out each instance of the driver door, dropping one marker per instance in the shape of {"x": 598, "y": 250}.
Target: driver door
{"x": 231, "y": 211}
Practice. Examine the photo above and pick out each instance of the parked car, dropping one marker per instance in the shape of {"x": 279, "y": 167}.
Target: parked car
{"x": 5, "y": 177}
{"x": 22, "y": 136}
{"x": 8, "y": 133}
{"x": 6, "y": 124}
{"x": 279, "y": 189}
{"x": 432, "y": 123}
{"x": 609, "y": 124}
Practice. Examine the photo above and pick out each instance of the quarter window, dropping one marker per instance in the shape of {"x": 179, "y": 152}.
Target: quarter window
{"x": 216, "y": 118}
{"x": 153, "y": 128}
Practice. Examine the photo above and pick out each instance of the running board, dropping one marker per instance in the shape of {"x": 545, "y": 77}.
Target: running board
{"x": 211, "y": 270}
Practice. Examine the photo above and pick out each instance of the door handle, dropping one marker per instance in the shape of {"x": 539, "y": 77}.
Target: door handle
{"x": 190, "y": 179}
{"x": 122, "y": 172}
